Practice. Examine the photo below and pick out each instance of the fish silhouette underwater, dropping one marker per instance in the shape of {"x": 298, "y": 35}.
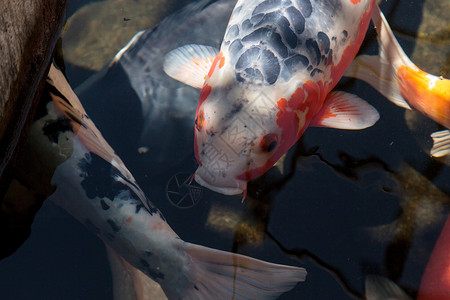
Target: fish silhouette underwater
{"x": 272, "y": 78}
{"x": 93, "y": 185}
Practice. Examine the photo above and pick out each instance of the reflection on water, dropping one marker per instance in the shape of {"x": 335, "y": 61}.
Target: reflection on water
{"x": 342, "y": 204}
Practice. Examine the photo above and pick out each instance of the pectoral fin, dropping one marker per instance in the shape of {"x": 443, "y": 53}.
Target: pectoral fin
{"x": 190, "y": 64}
{"x": 345, "y": 111}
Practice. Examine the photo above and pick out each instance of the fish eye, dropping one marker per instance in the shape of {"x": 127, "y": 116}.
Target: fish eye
{"x": 268, "y": 142}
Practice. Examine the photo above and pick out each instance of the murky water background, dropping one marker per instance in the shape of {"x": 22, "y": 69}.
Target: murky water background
{"x": 343, "y": 204}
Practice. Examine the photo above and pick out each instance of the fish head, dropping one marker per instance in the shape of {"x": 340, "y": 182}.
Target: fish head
{"x": 240, "y": 133}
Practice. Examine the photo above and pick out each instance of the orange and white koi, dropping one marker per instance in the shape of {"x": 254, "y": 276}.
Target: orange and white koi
{"x": 272, "y": 78}
{"x": 395, "y": 76}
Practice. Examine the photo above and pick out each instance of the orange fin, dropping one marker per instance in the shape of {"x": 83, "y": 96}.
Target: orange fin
{"x": 345, "y": 111}
{"x": 190, "y": 64}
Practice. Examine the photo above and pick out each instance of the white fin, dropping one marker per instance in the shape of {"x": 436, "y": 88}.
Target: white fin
{"x": 345, "y": 111}
{"x": 129, "y": 283}
{"x": 441, "y": 143}
{"x": 380, "y": 288}
{"x": 381, "y": 71}
{"x": 190, "y": 64}
{"x": 223, "y": 275}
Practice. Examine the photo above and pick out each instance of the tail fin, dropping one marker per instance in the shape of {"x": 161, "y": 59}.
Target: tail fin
{"x": 222, "y": 275}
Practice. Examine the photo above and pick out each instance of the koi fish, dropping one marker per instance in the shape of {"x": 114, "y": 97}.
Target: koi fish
{"x": 271, "y": 79}
{"x": 435, "y": 282}
{"x": 397, "y": 78}
{"x": 93, "y": 185}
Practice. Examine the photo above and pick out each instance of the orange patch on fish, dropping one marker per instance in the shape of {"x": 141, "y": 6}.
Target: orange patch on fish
{"x": 200, "y": 120}
{"x": 204, "y": 94}
{"x": 129, "y": 219}
{"x": 355, "y": 1}
{"x": 222, "y": 62}
{"x": 214, "y": 64}
{"x": 427, "y": 93}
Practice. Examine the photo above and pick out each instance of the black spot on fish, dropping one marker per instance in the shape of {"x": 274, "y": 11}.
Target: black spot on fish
{"x": 113, "y": 225}
{"x": 247, "y": 57}
{"x": 254, "y": 74}
{"x": 99, "y": 178}
{"x": 297, "y": 19}
{"x": 265, "y": 6}
{"x": 270, "y": 67}
{"x": 344, "y": 35}
{"x": 154, "y": 274}
{"x": 195, "y": 287}
{"x": 148, "y": 253}
{"x": 103, "y": 180}
{"x": 277, "y": 44}
{"x": 232, "y": 32}
{"x": 315, "y": 71}
{"x": 235, "y": 46}
{"x": 237, "y": 9}
{"x": 104, "y": 205}
{"x": 139, "y": 206}
{"x": 324, "y": 41}
{"x": 257, "y": 18}
{"x": 256, "y": 36}
{"x": 313, "y": 50}
{"x": 296, "y": 62}
{"x": 330, "y": 57}
{"x": 309, "y": 68}
{"x": 247, "y": 25}
{"x": 276, "y": 18}
{"x": 52, "y": 129}
{"x": 305, "y": 7}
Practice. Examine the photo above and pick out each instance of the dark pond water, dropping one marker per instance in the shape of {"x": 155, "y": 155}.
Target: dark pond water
{"x": 343, "y": 204}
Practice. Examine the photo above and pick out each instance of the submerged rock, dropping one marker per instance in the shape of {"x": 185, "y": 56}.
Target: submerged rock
{"x": 432, "y": 51}
{"x": 96, "y": 32}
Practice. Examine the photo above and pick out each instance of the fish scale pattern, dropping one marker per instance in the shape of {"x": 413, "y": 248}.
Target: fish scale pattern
{"x": 273, "y": 42}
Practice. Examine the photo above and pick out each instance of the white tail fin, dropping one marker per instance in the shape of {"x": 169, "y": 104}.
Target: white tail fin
{"x": 222, "y": 275}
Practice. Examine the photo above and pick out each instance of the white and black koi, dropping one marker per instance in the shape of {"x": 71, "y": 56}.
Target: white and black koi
{"x": 94, "y": 186}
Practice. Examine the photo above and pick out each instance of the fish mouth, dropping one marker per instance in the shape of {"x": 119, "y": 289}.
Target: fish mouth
{"x": 202, "y": 178}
